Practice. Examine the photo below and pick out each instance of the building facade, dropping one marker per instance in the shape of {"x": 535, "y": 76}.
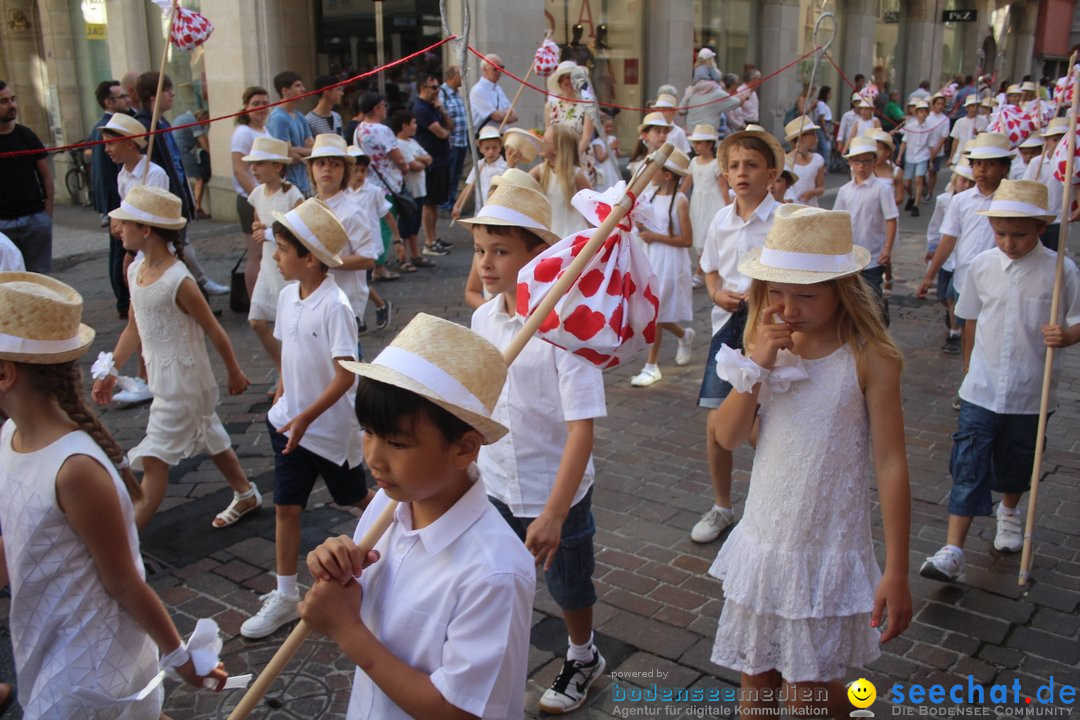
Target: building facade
{"x": 55, "y": 51}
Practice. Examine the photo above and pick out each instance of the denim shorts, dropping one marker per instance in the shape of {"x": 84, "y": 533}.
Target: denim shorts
{"x": 914, "y": 169}
{"x": 570, "y": 578}
{"x": 944, "y": 285}
{"x": 295, "y": 475}
{"x": 991, "y": 452}
{"x": 713, "y": 389}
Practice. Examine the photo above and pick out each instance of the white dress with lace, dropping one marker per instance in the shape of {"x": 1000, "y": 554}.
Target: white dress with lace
{"x": 183, "y": 416}
{"x": 706, "y": 198}
{"x": 799, "y": 570}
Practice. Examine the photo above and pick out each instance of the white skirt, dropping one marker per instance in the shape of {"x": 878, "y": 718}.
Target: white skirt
{"x": 268, "y": 285}
{"x": 181, "y": 427}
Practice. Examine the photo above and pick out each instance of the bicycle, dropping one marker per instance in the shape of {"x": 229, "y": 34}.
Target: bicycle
{"x": 77, "y": 179}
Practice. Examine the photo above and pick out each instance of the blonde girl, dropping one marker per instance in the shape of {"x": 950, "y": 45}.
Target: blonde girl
{"x": 561, "y": 177}
{"x": 807, "y": 166}
{"x": 707, "y": 187}
{"x": 86, "y": 628}
{"x": 819, "y": 390}
{"x": 669, "y": 255}
{"x": 267, "y": 162}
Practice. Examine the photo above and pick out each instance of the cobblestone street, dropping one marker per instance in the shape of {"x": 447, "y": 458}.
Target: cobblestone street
{"x": 658, "y": 608}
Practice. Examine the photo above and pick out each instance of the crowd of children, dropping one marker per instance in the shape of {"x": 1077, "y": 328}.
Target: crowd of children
{"x": 487, "y": 466}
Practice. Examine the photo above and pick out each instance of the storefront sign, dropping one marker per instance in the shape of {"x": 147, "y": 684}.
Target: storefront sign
{"x": 891, "y": 16}
{"x": 959, "y": 15}
{"x": 630, "y": 71}
{"x": 95, "y": 31}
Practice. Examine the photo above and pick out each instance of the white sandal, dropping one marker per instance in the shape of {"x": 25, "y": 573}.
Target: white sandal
{"x": 231, "y": 515}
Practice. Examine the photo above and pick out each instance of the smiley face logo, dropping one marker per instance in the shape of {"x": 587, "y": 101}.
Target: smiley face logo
{"x": 862, "y": 693}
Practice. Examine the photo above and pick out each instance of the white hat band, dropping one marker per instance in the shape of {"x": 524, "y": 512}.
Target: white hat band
{"x": 256, "y": 155}
{"x": 1017, "y": 206}
{"x": 305, "y": 233}
{"x": 500, "y": 212}
{"x": 145, "y": 217}
{"x": 813, "y": 262}
{"x": 328, "y": 151}
{"x": 431, "y": 376}
{"x": 27, "y": 346}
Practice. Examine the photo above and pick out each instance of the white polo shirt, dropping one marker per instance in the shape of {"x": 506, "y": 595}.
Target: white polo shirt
{"x": 972, "y": 231}
{"x": 361, "y": 242}
{"x": 126, "y": 180}
{"x": 453, "y": 600}
{"x": 963, "y": 130}
{"x": 939, "y": 122}
{"x": 313, "y": 331}
{"x": 1010, "y": 300}
{"x": 1043, "y": 171}
{"x": 545, "y": 388}
{"x": 488, "y": 171}
{"x": 870, "y": 204}
{"x": 918, "y": 141}
{"x": 727, "y": 240}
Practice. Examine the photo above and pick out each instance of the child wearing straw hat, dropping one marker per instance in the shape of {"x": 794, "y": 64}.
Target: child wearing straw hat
{"x": 489, "y": 145}
{"x": 818, "y": 385}
{"x": 708, "y": 192}
{"x": 169, "y": 323}
{"x": 863, "y": 123}
{"x": 751, "y": 160}
{"x": 653, "y": 132}
{"x": 807, "y": 166}
{"x": 919, "y": 139}
{"x": 938, "y": 122}
{"x": 268, "y": 160}
{"x": 667, "y": 105}
{"x": 1042, "y": 170}
{"x": 540, "y": 476}
{"x": 966, "y": 128}
{"x": 1028, "y": 150}
{"x": 962, "y": 179}
{"x": 873, "y": 213}
{"x": 885, "y": 170}
{"x": 1005, "y": 301}
{"x": 669, "y": 257}
{"x": 70, "y": 550}
{"x": 438, "y": 618}
{"x": 313, "y": 429}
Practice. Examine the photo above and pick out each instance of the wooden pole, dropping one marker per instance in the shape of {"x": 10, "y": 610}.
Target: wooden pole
{"x": 1055, "y": 303}
{"x": 521, "y": 87}
{"x": 157, "y": 96}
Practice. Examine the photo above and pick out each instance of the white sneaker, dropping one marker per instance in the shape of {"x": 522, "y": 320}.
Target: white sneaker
{"x": 711, "y": 524}
{"x": 1010, "y": 534}
{"x": 133, "y": 390}
{"x": 212, "y": 288}
{"x": 645, "y": 378}
{"x": 278, "y": 609}
{"x": 683, "y": 353}
{"x": 570, "y": 689}
{"x": 946, "y": 565}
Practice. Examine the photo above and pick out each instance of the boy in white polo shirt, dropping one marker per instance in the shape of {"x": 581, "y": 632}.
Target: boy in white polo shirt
{"x": 313, "y": 429}
{"x": 872, "y": 207}
{"x": 751, "y": 160}
{"x": 438, "y": 623}
{"x": 1005, "y": 301}
{"x": 919, "y": 139}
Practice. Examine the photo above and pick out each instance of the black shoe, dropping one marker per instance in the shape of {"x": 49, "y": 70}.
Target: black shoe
{"x": 361, "y": 327}
{"x": 570, "y": 689}
{"x": 915, "y": 212}
{"x": 910, "y": 204}
{"x": 952, "y": 345}
{"x": 382, "y": 315}
{"x": 444, "y": 243}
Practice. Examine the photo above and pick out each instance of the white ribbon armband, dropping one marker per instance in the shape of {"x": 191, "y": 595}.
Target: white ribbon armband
{"x": 103, "y": 367}
{"x": 739, "y": 370}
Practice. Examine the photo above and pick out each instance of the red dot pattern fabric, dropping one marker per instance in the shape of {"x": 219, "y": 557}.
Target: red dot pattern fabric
{"x": 190, "y": 29}
{"x": 546, "y": 59}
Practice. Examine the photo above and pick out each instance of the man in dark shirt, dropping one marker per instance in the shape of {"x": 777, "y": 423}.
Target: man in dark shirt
{"x": 112, "y": 98}
{"x": 433, "y": 133}
{"x": 26, "y": 188}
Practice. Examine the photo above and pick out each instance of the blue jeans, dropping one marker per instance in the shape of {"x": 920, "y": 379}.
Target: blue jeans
{"x": 713, "y": 389}
{"x": 457, "y": 165}
{"x": 116, "y": 274}
{"x": 32, "y": 234}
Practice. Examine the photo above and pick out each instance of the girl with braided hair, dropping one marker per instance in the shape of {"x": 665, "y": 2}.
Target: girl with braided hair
{"x": 86, "y": 628}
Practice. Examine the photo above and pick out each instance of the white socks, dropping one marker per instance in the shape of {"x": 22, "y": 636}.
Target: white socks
{"x": 286, "y": 585}
{"x": 581, "y": 653}
{"x": 954, "y": 333}
{"x": 649, "y": 367}
{"x": 958, "y": 551}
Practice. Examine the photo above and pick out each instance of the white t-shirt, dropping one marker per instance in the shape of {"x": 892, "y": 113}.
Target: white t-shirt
{"x": 963, "y": 130}
{"x": 487, "y": 172}
{"x": 243, "y": 138}
{"x": 361, "y": 242}
{"x": 939, "y": 122}
{"x": 871, "y": 205}
{"x": 972, "y": 231}
{"x": 11, "y": 260}
{"x": 1043, "y": 171}
{"x": 415, "y": 180}
{"x": 126, "y": 180}
{"x": 918, "y": 141}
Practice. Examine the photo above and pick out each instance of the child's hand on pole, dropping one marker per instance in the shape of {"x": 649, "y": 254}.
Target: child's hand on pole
{"x": 1053, "y": 336}
{"x": 331, "y": 608}
{"x": 339, "y": 560}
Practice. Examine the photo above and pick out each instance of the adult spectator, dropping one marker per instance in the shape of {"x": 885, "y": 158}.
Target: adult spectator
{"x": 487, "y": 100}
{"x": 707, "y": 100}
{"x": 248, "y": 127}
{"x": 822, "y": 116}
{"x": 750, "y": 103}
{"x": 166, "y": 153}
{"x": 323, "y": 118}
{"x": 450, "y": 94}
{"x": 433, "y": 125}
{"x": 961, "y": 97}
{"x": 26, "y": 188}
{"x": 859, "y": 82}
{"x": 378, "y": 143}
{"x": 128, "y": 83}
{"x": 922, "y": 92}
{"x": 734, "y": 115}
{"x": 112, "y": 99}
{"x": 894, "y": 112}
{"x": 289, "y": 124}
{"x": 194, "y": 145}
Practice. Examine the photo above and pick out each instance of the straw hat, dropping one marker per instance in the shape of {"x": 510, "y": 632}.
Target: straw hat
{"x": 806, "y": 245}
{"x": 317, "y": 228}
{"x": 799, "y": 126}
{"x": 447, "y": 364}
{"x": 1028, "y": 86}
{"x": 514, "y": 203}
{"x": 862, "y": 145}
{"x": 963, "y": 169}
{"x": 881, "y": 136}
{"x": 1033, "y": 141}
{"x": 990, "y": 145}
{"x": 268, "y": 149}
{"x": 702, "y": 133}
{"x": 988, "y": 102}
{"x": 1013, "y": 89}
{"x": 489, "y": 132}
{"x": 678, "y": 162}
{"x": 1057, "y": 126}
{"x": 935, "y": 96}
{"x": 126, "y": 126}
{"x": 864, "y": 103}
{"x": 921, "y": 105}
{"x": 42, "y": 320}
{"x": 653, "y": 119}
{"x": 1019, "y": 199}
{"x": 855, "y": 98}
{"x": 705, "y": 54}
{"x": 520, "y": 178}
{"x": 760, "y": 133}
{"x": 151, "y": 206}
{"x": 330, "y": 145}
{"x": 971, "y": 100}
{"x": 966, "y": 150}
{"x": 527, "y": 144}
{"x": 564, "y": 68}
{"x": 665, "y": 101}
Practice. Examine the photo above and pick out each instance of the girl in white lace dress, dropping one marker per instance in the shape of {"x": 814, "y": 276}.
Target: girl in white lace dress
{"x": 820, "y": 384}
{"x": 171, "y": 319}
{"x": 86, "y": 629}
{"x": 708, "y": 189}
